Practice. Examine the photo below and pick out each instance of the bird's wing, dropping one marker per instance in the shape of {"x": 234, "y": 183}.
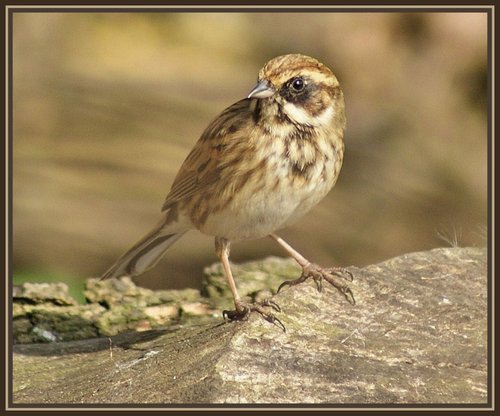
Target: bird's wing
{"x": 203, "y": 165}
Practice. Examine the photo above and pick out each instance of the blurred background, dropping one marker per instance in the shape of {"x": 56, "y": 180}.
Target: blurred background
{"x": 107, "y": 106}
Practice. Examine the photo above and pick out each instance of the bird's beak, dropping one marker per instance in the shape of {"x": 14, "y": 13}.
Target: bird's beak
{"x": 262, "y": 89}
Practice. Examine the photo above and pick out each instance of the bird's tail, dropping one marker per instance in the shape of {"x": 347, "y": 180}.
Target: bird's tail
{"x": 146, "y": 252}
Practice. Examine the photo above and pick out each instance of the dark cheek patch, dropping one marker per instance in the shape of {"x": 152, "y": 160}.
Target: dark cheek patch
{"x": 312, "y": 98}
{"x": 297, "y": 98}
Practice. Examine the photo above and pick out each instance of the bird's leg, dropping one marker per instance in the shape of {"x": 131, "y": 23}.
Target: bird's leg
{"x": 242, "y": 309}
{"x": 336, "y": 276}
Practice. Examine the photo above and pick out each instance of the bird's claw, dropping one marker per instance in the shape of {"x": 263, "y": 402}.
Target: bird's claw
{"x": 330, "y": 274}
{"x": 294, "y": 282}
{"x": 243, "y": 310}
{"x": 341, "y": 272}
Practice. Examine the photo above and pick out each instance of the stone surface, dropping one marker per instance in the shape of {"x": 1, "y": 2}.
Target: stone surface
{"x": 417, "y": 334}
{"x": 37, "y": 293}
{"x": 46, "y": 313}
{"x": 256, "y": 280}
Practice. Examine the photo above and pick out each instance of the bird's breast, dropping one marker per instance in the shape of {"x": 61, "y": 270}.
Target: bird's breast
{"x": 287, "y": 179}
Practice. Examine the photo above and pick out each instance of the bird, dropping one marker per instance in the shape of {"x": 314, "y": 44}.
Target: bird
{"x": 258, "y": 167}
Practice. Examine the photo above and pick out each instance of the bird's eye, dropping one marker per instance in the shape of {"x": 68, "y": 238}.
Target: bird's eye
{"x": 298, "y": 84}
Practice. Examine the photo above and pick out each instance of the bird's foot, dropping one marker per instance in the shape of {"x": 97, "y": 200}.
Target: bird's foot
{"x": 336, "y": 276}
{"x": 243, "y": 310}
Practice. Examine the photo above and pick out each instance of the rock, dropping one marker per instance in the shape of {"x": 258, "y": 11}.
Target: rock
{"x": 417, "y": 334}
{"x": 256, "y": 279}
{"x": 46, "y": 313}
{"x": 118, "y": 292}
{"x": 36, "y": 293}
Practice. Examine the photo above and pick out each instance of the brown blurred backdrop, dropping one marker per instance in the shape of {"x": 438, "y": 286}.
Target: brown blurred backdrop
{"x": 107, "y": 105}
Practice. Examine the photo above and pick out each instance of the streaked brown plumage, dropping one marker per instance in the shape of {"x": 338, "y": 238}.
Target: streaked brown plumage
{"x": 259, "y": 166}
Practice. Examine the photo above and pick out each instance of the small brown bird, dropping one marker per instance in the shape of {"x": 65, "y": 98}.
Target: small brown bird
{"x": 259, "y": 166}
